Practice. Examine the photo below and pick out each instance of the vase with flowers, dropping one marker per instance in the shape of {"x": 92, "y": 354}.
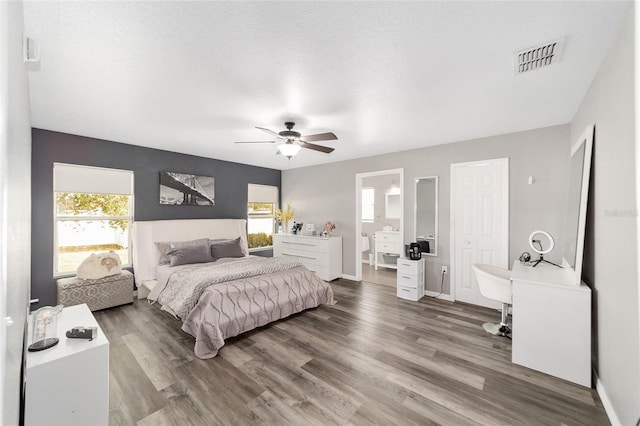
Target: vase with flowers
{"x": 284, "y": 216}
{"x": 328, "y": 228}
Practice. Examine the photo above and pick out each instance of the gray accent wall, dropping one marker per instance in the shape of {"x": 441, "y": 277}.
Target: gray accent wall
{"x": 231, "y": 183}
{"x": 327, "y": 192}
{"x": 611, "y": 244}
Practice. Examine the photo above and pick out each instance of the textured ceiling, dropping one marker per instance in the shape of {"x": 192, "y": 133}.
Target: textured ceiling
{"x": 194, "y": 77}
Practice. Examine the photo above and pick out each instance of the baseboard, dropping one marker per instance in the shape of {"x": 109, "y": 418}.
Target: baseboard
{"x": 437, "y": 295}
{"x": 606, "y": 403}
{"x": 349, "y": 277}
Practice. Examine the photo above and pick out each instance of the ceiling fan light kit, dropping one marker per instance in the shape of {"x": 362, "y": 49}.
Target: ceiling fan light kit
{"x": 293, "y": 141}
{"x": 289, "y": 149}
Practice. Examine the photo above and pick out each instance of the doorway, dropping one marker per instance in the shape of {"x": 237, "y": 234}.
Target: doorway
{"x": 379, "y": 207}
{"x": 479, "y": 224}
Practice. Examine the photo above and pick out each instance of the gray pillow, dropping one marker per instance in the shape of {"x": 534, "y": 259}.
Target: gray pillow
{"x": 230, "y": 248}
{"x": 164, "y": 247}
{"x": 189, "y": 254}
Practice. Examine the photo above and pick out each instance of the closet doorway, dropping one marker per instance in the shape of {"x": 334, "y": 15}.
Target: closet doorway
{"x": 379, "y": 209}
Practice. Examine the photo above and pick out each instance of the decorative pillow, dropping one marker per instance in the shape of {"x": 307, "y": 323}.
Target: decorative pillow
{"x": 164, "y": 247}
{"x": 99, "y": 266}
{"x": 229, "y": 248}
{"x": 189, "y": 254}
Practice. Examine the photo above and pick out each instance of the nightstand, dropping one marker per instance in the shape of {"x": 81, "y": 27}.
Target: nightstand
{"x": 410, "y": 279}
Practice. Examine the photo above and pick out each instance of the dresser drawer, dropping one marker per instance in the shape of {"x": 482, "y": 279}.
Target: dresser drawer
{"x": 408, "y": 266}
{"x": 412, "y": 281}
{"x": 291, "y": 243}
{"x": 410, "y": 293}
{"x": 306, "y": 257}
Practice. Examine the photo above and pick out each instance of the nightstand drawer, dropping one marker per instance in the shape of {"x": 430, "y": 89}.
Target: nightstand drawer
{"x": 408, "y": 266}
{"x": 411, "y": 281}
{"x": 410, "y": 293}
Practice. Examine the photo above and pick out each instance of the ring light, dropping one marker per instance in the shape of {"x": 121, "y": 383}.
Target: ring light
{"x": 540, "y": 250}
{"x": 532, "y": 239}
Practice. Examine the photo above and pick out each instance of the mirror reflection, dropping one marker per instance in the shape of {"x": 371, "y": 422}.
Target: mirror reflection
{"x": 392, "y": 205}
{"x": 426, "y": 214}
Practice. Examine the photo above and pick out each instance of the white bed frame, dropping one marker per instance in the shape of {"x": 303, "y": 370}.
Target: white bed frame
{"x": 147, "y": 233}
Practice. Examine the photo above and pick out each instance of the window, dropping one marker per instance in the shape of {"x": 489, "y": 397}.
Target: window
{"x": 93, "y": 213}
{"x": 368, "y": 202}
{"x": 261, "y": 204}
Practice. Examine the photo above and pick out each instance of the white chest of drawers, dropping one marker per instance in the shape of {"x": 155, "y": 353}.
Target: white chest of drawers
{"x": 322, "y": 255}
{"x": 68, "y": 384}
{"x": 410, "y": 279}
{"x": 387, "y": 242}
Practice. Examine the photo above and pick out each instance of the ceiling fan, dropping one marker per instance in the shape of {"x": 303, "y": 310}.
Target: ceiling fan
{"x": 292, "y": 141}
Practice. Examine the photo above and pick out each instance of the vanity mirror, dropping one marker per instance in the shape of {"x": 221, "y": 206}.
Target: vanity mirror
{"x": 426, "y": 213}
{"x": 576, "y": 217}
{"x": 392, "y": 205}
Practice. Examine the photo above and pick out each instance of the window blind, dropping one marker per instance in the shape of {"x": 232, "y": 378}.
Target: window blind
{"x": 262, "y": 194}
{"x": 92, "y": 180}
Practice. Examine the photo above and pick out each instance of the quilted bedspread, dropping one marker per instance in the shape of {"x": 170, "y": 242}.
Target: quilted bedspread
{"x": 260, "y": 292}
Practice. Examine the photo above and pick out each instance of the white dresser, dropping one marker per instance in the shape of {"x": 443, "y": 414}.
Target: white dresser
{"x": 410, "y": 278}
{"x": 322, "y": 255}
{"x": 551, "y": 323}
{"x": 68, "y": 384}
{"x": 387, "y": 242}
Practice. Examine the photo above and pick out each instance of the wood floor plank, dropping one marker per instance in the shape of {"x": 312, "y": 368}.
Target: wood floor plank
{"x": 370, "y": 359}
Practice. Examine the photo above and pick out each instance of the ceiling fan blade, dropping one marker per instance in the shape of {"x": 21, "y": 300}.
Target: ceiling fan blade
{"x": 315, "y": 147}
{"x": 271, "y": 132}
{"x": 257, "y": 142}
{"x": 319, "y": 137}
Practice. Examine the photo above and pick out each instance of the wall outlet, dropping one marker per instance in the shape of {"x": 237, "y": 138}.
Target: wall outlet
{"x": 445, "y": 270}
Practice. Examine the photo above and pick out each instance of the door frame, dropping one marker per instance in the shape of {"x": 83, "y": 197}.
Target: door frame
{"x": 452, "y": 209}
{"x": 358, "y": 231}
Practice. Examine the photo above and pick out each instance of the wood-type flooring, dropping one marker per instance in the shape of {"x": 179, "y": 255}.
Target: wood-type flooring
{"x": 369, "y": 359}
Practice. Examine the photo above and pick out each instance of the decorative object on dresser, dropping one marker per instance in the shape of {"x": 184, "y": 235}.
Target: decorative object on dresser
{"x": 410, "y": 278}
{"x": 322, "y": 255}
{"x": 69, "y": 385}
{"x": 329, "y": 227}
{"x": 284, "y": 216}
{"x": 388, "y": 246}
{"x": 102, "y": 293}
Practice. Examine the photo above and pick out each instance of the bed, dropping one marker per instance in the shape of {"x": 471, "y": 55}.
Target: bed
{"x": 225, "y": 296}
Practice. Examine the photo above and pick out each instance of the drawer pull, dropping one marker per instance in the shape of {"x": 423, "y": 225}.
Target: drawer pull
{"x": 406, "y": 276}
{"x": 404, "y": 289}
{"x": 299, "y": 255}
{"x": 298, "y": 244}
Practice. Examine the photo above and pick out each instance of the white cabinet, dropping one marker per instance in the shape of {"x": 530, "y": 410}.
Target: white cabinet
{"x": 322, "y": 255}
{"x": 387, "y": 242}
{"x": 551, "y": 323}
{"x": 68, "y": 384}
{"x": 410, "y": 278}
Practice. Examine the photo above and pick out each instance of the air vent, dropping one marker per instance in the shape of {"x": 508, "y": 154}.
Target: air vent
{"x": 538, "y": 57}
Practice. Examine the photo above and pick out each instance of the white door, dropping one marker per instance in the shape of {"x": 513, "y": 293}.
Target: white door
{"x": 479, "y": 224}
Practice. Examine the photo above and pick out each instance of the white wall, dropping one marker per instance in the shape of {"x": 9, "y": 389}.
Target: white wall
{"x": 15, "y": 205}
{"x": 611, "y": 252}
{"x": 324, "y": 192}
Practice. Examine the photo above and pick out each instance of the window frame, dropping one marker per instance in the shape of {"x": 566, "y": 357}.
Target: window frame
{"x": 93, "y": 180}
{"x": 273, "y": 227}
